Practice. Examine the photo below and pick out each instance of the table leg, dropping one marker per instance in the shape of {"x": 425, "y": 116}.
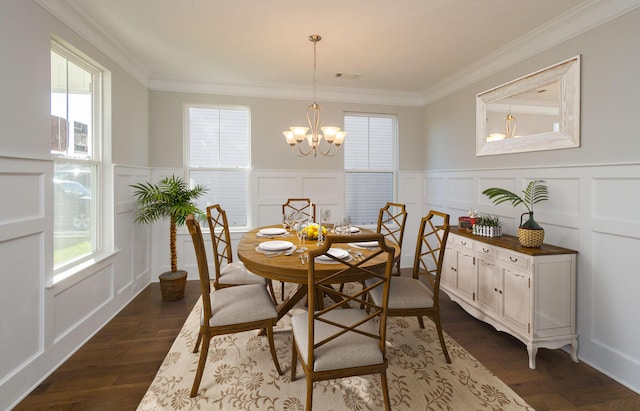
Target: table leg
{"x": 297, "y": 295}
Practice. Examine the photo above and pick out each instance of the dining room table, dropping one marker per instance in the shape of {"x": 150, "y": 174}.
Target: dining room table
{"x": 266, "y": 255}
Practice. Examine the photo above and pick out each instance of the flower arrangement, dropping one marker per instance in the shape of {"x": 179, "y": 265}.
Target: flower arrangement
{"x": 488, "y": 226}
{"x": 312, "y": 231}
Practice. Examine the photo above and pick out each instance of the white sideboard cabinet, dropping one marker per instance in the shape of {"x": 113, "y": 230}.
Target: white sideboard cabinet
{"x": 526, "y": 292}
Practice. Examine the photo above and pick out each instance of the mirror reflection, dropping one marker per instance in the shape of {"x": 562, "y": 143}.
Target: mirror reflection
{"x": 540, "y": 111}
{"x": 531, "y": 112}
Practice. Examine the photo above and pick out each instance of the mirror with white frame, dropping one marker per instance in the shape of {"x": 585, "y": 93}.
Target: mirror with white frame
{"x": 540, "y": 111}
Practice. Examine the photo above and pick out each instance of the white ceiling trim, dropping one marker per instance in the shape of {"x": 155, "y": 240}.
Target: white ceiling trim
{"x": 96, "y": 35}
{"x": 293, "y": 92}
{"x": 579, "y": 20}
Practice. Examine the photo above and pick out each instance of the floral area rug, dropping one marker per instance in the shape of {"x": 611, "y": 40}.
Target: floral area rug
{"x": 240, "y": 375}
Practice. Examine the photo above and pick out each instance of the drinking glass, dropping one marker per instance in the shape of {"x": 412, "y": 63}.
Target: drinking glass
{"x": 291, "y": 219}
{"x": 326, "y": 217}
{"x": 301, "y": 228}
{"x": 345, "y": 226}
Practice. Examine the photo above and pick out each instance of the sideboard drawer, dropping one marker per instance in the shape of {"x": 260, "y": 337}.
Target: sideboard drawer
{"x": 515, "y": 259}
{"x": 461, "y": 241}
{"x": 486, "y": 250}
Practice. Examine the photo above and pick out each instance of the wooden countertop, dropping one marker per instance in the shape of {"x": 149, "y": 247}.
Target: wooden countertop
{"x": 511, "y": 243}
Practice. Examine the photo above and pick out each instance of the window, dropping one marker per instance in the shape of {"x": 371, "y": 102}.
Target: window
{"x": 218, "y": 151}
{"x": 75, "y": 146}
{"x": 369, "y": 162}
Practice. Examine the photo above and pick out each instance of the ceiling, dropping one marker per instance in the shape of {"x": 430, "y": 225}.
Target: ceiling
{"x": 398, "y": 49}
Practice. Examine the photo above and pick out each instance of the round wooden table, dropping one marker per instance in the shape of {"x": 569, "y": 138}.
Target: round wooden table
{"x": 289, "y": 268}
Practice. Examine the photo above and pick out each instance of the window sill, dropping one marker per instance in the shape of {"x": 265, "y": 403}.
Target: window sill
{"x": 65, "y": 279}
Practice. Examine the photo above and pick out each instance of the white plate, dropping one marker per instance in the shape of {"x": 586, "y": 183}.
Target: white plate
{"x": 353, "y": 229}
{"x": 336, "y": 252}
{"x": 272, "y": 231}
{"x": 367, "y": 244}
{"x": 285, "y": 252}
{"x": 275, "y": 245}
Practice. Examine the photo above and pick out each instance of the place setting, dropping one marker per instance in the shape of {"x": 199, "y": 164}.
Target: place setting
{"x": 339, "y": 253}
{"x": 366, "y": 245}
{"x": 276, "y": 247}
{"x": 272, "y": 232}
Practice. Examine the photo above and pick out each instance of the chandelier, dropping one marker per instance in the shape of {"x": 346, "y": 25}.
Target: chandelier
{"x": 314, "y": 134}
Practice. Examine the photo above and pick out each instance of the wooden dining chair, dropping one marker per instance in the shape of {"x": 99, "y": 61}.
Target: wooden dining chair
{"x": 337, "y": 340}
{"x": 391, "y": 221}
{"x": 307, "y": 212}
{"x": 410, "y": 296}
{"x": 227, "y": 272}
{"x": 228, "y": 310}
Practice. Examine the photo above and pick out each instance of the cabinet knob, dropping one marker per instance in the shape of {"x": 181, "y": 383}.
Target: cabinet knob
{"x": 486, "y": 250}
{"x": 513, "y": 260}
{"x": 463, "y": 242}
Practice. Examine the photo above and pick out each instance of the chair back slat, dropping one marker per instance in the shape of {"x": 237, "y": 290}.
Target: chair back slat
{"x": 203, "y": 267}
{"x": 220, "y": 238}
{"x": 302, "y": 206}
{"x": 429, "y": 255}
{"x": 391, "y": 222}
{"x": 327, "y": 286}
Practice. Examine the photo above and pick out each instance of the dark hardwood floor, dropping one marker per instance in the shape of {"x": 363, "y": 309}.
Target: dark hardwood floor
{"x": 115, "y": 368}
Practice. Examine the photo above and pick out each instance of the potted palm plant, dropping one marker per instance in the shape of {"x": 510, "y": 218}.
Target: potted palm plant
{"x": 530, "y": 234}
{"x": 170, "y": 198}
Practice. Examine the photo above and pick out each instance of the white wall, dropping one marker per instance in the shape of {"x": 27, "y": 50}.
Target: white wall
{"x": 269, "y": 117}
{"x": 41, "y": 323}
{"x": 595, "y": 189}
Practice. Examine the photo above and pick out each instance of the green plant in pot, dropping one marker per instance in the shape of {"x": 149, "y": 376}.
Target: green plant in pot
{"x": 530, "y": 234}
{"x": 170, "y": 198}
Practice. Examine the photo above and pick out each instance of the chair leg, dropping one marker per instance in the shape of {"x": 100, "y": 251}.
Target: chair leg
{"x": 282, "y": 289}
{"x": 294, "y": 360}
{"x": 436, "y": 318}
{"x": 272, "y": 292}
{"x": 385, "y": 390}
{"x": 272, "y": 347}
{"x": 309, "y": 394}
{"x": 195, "y": 349}
{"x": 421, "y": 322}
{"x": 204, "y": 352}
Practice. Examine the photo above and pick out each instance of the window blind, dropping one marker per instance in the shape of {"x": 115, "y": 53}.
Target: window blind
{"x": 219, "y": 159}
{"x": 369, "y": 165}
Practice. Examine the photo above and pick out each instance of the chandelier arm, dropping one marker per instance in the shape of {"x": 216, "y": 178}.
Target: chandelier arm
{"x": 300, "y": 152}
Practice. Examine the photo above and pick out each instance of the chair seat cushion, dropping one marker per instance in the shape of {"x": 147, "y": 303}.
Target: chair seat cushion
{"x": 241, "y": 304}
{"x": 404, "y": 293}
{"x": 237, "y": 274}
{"x": 348, "y": 350}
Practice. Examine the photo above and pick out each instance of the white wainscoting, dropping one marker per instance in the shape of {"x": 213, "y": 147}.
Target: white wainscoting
{"x": 44, "y": 323}
{"x": 594, "y": 210}
{"x": 269, "y": 190}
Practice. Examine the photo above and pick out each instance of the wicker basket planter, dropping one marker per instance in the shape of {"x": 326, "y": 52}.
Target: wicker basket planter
{"x": 530, "y": 237}
{"x": 172, "y": 285}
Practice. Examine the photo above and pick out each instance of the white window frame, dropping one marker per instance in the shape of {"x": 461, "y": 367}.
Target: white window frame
{"x": 394, "y": 156}
{"x": 247, "y": 170}
{"x": 95, "y": 161}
